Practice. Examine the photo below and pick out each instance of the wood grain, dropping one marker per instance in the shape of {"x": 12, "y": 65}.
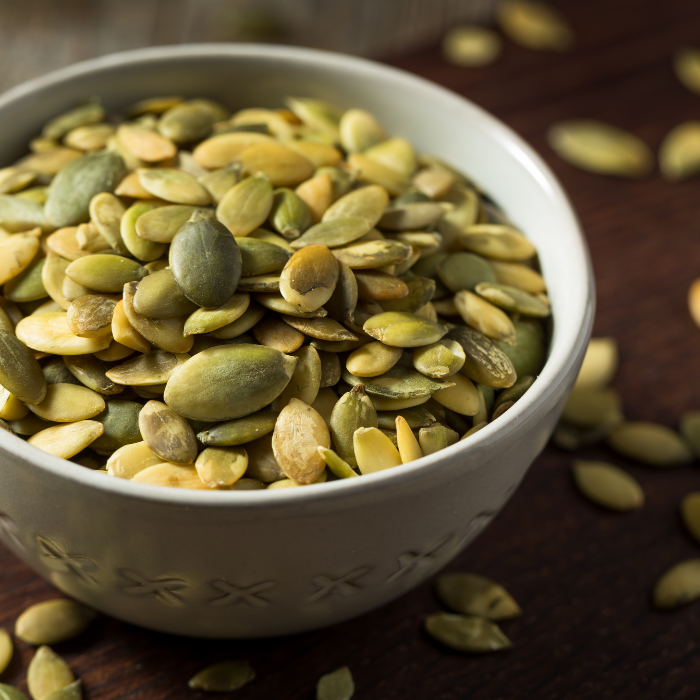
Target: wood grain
{"x": 583, "y": 576}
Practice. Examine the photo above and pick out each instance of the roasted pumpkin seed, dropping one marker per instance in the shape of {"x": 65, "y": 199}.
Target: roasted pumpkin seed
{"x": 466, "y": 633}
{"x": 223, "y": 677}
{"x": 53, "y": 621}
{"x": 650, "y": 443}
{"x": 679, "y": 586}
{"x": 47, "y": 672}
{"x": 608, "y": 485}
{"x": 471, "y": 594}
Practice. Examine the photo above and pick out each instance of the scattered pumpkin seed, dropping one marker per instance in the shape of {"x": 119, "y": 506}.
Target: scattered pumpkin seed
{"x": 599, "y": 364}
{"x": 53, "y": 621}
{"x": 679, "y": 585}
{"x": 590, "y": 408}
{"x": 6, "y": 651}
{"x": 608, "y": 485}
{"x": 690, "y": 512}
{"x": 466, "y": 633}
{"x": 471, "y": 45}
{"x": 46, "y": 673}
{"x": 337, "y": 685}
{"x": 687, "y": 66}
{"x": 7, "y": 692}
{"x": 535, "y": 25}
{"x": 649, "y": 443}
{"x": 679, "y": 154}
{"x": 223, "y": 677}
{"x": 690, "y": 430}
{"x": 471, "y": 594}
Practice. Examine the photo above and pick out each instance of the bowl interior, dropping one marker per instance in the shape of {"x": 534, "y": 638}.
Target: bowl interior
{"x": 435, "y": 120}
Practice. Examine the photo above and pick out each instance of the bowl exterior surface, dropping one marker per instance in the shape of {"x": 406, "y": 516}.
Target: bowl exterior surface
{"x": 252, "y": 564}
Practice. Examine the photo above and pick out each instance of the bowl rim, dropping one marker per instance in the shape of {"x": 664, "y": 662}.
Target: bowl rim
{"x": 546, "y": 384}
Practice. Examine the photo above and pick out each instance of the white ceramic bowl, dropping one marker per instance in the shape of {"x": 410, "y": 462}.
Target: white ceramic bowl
{"x": 252, "y": 564}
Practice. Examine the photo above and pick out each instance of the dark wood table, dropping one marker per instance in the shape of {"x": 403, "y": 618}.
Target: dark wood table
{"x": 583, "y": 576}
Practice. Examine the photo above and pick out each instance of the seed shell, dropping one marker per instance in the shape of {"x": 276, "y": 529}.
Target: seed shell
{"x": 53, "y": 621}
{"x": 466, "y": 633}
{"x": 471, "y": 594}
{"x": 223, "y": 677}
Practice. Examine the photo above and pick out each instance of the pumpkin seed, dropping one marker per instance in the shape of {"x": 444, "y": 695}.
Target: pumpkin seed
{"x": 260, "y": 283}
{"x": 690, "y": 430}
{"x": 50, "y": 333}
{"x": 173, "y": 186}
{"x": 27, "y": 285}
{"x": 466, "y": 633}
{"x": 337, "y": 685}
{"x": 416, "y": 417}
{"x": 6, "y": 651}
{"x": 338, "y": 466}
{"x": 608, "y": 485}
{"x": 167, "y": 333}
{"x": 207, "y": 320}
{"x": 7, "y": 692}
{"x": 679, "y": 155}
{"x": 405, "y": 330}
{"x": 146, "y": 144}
{"x": 91, "y": 316}
{"x": 240, "y": 431}
{"x": 518, "y": 275}
{"x": 70, "y": 692}
{"x": 262, "y": 464}
{"x": 471, "y": 594}
{"x": 139, "y": 247}
{"x": 408, "y": 446}
{"x": 67, "y": 403}
{"x": 261, "y": 257}
{"x": 299, "y": 431}
{"x": 105, "y": 273}
{"x": 254, "y": 375}
{"x": 121, "y": 426}
{"x": 89, "y": 239}
{"x": 373, "y": 254}
{"x": 377, "y": 285}
{"x": 690, "y": 513}
{"x": 15, "y": 179}
{"x": 497, "y": 241}
{"x": 168, "y": 435}
{"x": 373, "y": 359}
{"x": 694, "y": 301}
{"x": 484, "y": 316}
{"x": 305, "y": 380}
{"x": 222, "y": 149}
{"x": 411, "y": 217}
{"x": 223, "y": 677}
{"x": 73, "y": 188}
{"x": 359, "y": 130}
{"x": 162, "y": 223}
{"x": 515, "y": 392}
{"x": 589, "y": 408}
{"x": 47, "y": 672}
{"x": 91, "y": 372}
{"x": 53, "y": 621}
{"x": 275, "y": 333}
{"x": 435, "y": 438}
{"x": 20, "y": 373}
{"x": 322, "y": 328}
{"x": 243, "y": 323}
{"x": 129, "y": 460}
{"x": 317, "y": 153}
{"x": 367, "y": 202}
{"x": 439, "y": 360}
{"x": 317, "y": 194}
{"x": 205, "y": 261}
{"x": 158, "y": 296}
{"x": 219, "y": 182}
{"x": 513, "y": 299}
{"x": 535, "y": 25}
{"x": 221, "y": 466}
{"x": 18, "y": 214}
{"x": 679, "y": 586}
{"x": 177, "y": 476}
{"x": 246, "y": 205}
{"x": 687, "y": 66}
{"x": 374, "y": 451}
{"x": 90, "y": 137}
{"x": 398, "y": 383}
{"x": 88, "y": 113}
{"x": 352, "y": 411}
{"x": 461, "y": 398}
{"x": 289, "y": 214}
{"x": 471, "y": 45}
{"x": 115, "y": 352}
{"x": 335, "y": 232}
{"x": 485, "y": 362}
{"x": 186, "y": 122}
{"x": 527, "y": 355}
{"x": 284, "y": 167}
{"x": 600, "y": 148}
{"x": 16, "y": 254}
{"x": 12, "y": 408}
{"x": 309, "y": 278}
{"x": 649, "y": 443}
{"x": 125, "y": 335}
{"x": 373, "y": 171}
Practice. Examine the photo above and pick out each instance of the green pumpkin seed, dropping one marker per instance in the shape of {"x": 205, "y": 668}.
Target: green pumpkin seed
{"x": 679, "y": 154}
{"x": 7, "y": 692}
{"x": 373, "y": 254}
{"x": 150, "y": 369}
{"x": 650, "y": 443}
{"x": 322, "y": 328}
{"x": 240, "y": 431}
{"x": 221, "y": 466}
{"x": 56, "y": 372}
{"x": 205, "y": 261}
{"x": 374, "y": 451}
{"x": 246, "y": 205}
{"x": 304, "y": 382}
{"x": 309, "y": 278}
{"x": 471, "y": 594}
{"x": 608, "y": 485}
{"x": 513, "y": 299}
{"x": 515, "y": 392}
{"x": 186, "y": 122}
{"x": 121, "y": 426}
{"x": 158, "y": 296}
{"x": 367, "y": 202}
{"x": 19, "y": 214}
{"x": 335, "y": 232}
{"x": 173, "y": 186}
{"x": 70, "y": 692}
{"x": 338, "y": 466}
{"x": 299, "y": 431}
{"x": 73, "y": 188}
{"x": 20, "y": 373}
{"x": 248, "y": 377}
{"x": 167, "y": 434}
{"x": 484, "y": 362}
{"x": 260, "y": 257}
{"x": 373, "y": 359}
{"x": 244, "y": 323}
{"x": 535, "y": 25}
{"x": 105, "y": 273}
{"x": 600, "y": 148}
{"x": 439, "y": 360}
{"x": 435, "y": 438}
{"x": 67, "y": 403}
{"x": 47, "y": 672}
{"x": 262, "y": 464}
{"x": 259, "y": 283}
{"x": 289, "y": 214}
{"x": 6, "y": 651}
{"x": 27, "y": 285}
{"x": 484, "y": 316}
{"x": 223, "y": 677}
{"x": 412, "y": 216}
{"x": 16, "y": 254}
{"x": 416, "y": 417}
{"x": 690, "y": 513}
{"x": 373, "y": 285}
{"x": 88, "y": 113}
{"x": 91, "y": 372}
{"x": 162, "y": 223}
{"x": 690, "y": 430}
{"x": 497, "y": 241}
{"x": 166, "y": 333}
{"x": 398, "y": 383}
{"x": 207, "y": 320}
{"x": 219, "y": 182}
{"x": 352, "y": 411}
{"x": 471, "y": 45}
{"x": 679, "y": 586}
{"x": 139, "y": 247}
{"x": 590, "y": 408}
{"x": 687, "y": 66}
{"x": 53, "y": 621}
{"x": 466, "y": 633}
{"x": 527, "y": 355}
{"x": 330, "y": 368}
{"x": 401, "y": 329}
{"x": 342, "y": 303}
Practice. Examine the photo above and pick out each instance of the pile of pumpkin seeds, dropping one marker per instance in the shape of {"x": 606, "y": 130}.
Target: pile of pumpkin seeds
{"x": 593, "y": 414}
{"x": 268, "y": 298}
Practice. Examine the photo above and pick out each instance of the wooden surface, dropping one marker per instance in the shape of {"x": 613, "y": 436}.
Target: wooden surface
{"x": 582, "y": 575}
